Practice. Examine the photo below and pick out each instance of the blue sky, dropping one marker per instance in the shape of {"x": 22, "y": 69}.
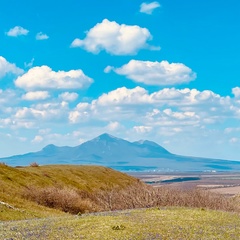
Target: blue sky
{"x": 166, "y": 71}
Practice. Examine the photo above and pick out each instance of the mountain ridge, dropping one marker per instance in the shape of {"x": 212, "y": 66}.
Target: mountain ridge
{"x": 108, "y": 150}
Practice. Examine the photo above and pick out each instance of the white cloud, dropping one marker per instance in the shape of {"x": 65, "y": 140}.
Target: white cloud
{"x": 30, "y": 64}
{"x": 167, "y": 107}
{"x": 108, "y": 69}
{"x": 78, "y": 116}
{"x": 149, "y": 7}
{"x": 69, "y": 97}
{"x": 6, "y": 67}
{"x": 37, "y": 139}
{"x": 37, "y": 95}
{"x": 113, "y": 126}
{"x": 231, "y": 130}
{"x": 124, "y": 96}
{"x": 236, "y": 92}
{"x": 115, "y": 39}
{"x": 8, "y": 99}
{"x": 17, "y": 31}
{"x": 41, "y": 113}
{"x": 155, "y": 73}
{"x": 234, "y": 140}
{"x": 45, "y": 78}
{"x": 142, "y": 129}
{"x": 41, "y": 36}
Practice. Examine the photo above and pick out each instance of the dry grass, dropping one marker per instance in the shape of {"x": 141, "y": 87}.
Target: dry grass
{"x": 51, "y": 190}
{"x": 34, "y": 164}
{"x": 67, "y": 179}
{"x": 137, "y": 195}
{"x": 64, "y": 199}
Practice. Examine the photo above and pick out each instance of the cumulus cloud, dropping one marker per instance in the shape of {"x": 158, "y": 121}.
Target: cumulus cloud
{"x": 17, "y": 31}
{"x": 149, "y": 7}
{"x": 113, "y": 126}
{"x": 186, "y": 99}
{"x": 166, "y": 107}
{"x": 42, "y": 36}
{"x": 142, "y": 129}
{"x": 37, "y": 139}
{"x": 78, "y": 116}
{"x": 236, "y": 92}
{"x": 115, "y": 39}
{"x": 42, "y": 112}
{"x": 37, "y": 95}
{"x": 108, "y": 69}
{"x": 6, "y": 67}
{"x": 124, "y": 96}
{"x": 155, "y": 73}
{"x": 69, "y": 97}
{"x": 45, "y": 78}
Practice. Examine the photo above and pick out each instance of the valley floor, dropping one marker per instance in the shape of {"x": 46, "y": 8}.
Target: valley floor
{"x": 226, "y": 183}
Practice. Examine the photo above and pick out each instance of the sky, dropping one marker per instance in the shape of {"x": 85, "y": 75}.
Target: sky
{"x": 166, "y": 71}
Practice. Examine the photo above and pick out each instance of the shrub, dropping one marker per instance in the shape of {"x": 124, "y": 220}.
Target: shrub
{"x": 64, "y": 199}
{"x": 34, "y": 164}
{"x": 3, "y": 163}
{"x": 135, "y": 196}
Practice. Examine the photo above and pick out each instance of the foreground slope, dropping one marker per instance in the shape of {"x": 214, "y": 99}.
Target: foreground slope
{"x": 107, "y": 150}
{"x": 15, "y": 182}
{"x": 157, "y": 223}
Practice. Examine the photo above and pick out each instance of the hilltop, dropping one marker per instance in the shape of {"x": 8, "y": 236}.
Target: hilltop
{"x": 18, "y": 186}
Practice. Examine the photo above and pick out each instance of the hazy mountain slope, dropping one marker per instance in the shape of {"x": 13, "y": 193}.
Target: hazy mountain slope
{"x": 120, "y": 154}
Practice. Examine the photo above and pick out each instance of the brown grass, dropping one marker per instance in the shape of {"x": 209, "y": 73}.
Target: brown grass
{"x": 34, "y": 164}
{"x": 64, "y": 199}
{"x": 137, "y": 195}
{"x": 18, "y": 181}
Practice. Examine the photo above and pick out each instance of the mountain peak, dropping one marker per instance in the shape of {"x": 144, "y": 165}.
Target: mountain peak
{"x": 50, "y": 147}
{"x": 106, "y": 137}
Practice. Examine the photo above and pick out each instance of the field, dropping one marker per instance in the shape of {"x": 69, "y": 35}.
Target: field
{"x": 226, "y": 183}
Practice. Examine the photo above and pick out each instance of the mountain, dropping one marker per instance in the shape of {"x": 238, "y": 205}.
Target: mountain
{"x": 122, "y": 155}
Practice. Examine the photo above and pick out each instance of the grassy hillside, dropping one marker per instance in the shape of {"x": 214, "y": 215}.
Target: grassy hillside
{"x": 20, "y": 186}
{"x": 156, "y": 223}
{"x": 50, "y": 194}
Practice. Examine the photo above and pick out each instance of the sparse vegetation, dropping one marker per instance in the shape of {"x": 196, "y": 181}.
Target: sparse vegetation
{"x": 57, "y": 181}
{"x": 56, "y": 191}
{"x": 34, "y": 164}
{"x": 137, "y": 195}
{"x": 146, "y": 224}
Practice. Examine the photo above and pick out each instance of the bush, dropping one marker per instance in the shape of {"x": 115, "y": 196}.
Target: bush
{"x": 64, "y": 199}
{"x": 34, "y": 164}
{"x": 3, "y": 163}
{"x": 135, "y": 196}
{"x": 144, "y": 196}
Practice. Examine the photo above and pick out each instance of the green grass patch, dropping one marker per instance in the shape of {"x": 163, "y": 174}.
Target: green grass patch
{"x": 156, "y": 223}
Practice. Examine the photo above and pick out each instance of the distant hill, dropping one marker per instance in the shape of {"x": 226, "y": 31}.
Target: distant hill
{"x": 110, "y": 151}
